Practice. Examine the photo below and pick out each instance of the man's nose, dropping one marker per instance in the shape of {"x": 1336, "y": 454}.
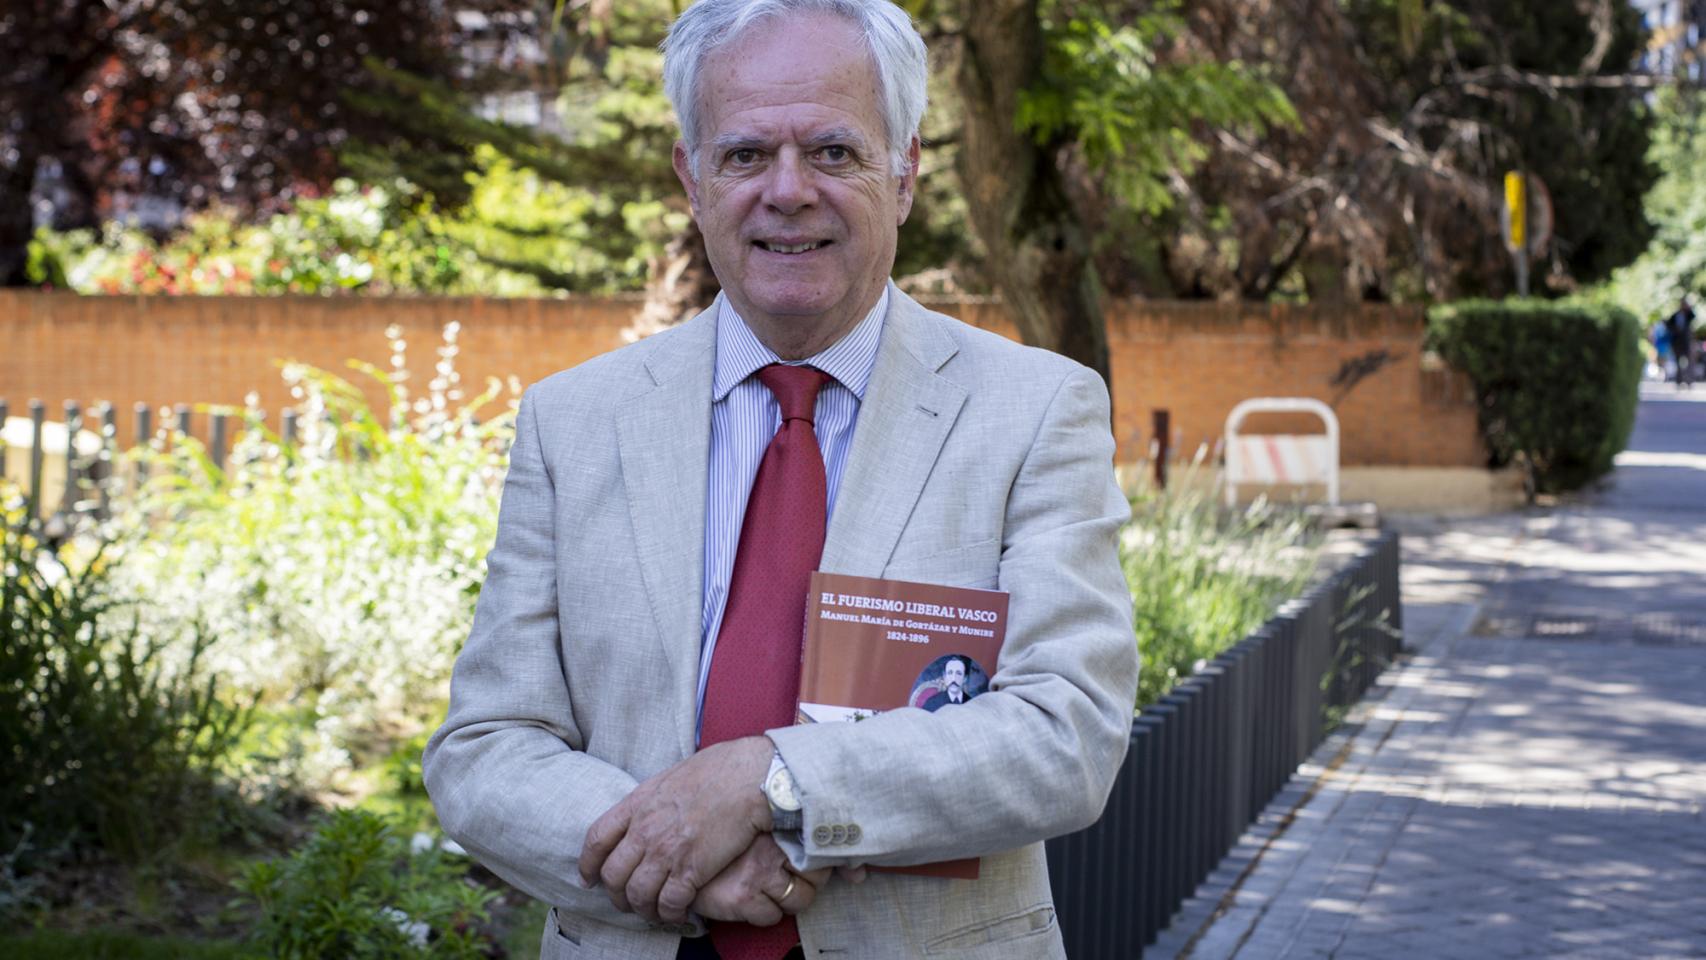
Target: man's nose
{"x": 792, "y": 184}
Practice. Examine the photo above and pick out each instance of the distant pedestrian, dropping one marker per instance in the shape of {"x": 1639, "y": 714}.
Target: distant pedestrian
{"x": 1680, "y": 326}
{"x": 1660, "y": 369}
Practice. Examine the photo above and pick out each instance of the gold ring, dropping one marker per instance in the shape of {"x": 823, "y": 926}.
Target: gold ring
{"x": 785, "y": 893}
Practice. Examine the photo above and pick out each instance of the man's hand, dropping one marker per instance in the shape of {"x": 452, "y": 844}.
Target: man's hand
{"x": 656, "y": 848}
{"x": 759, "y": 887}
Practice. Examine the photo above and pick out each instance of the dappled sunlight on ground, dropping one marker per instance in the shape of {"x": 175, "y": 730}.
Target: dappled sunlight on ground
{"x": 1531, "y": 781}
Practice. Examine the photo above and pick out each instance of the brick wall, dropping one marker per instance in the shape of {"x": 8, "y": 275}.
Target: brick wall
{"x": 1194, "y": 359}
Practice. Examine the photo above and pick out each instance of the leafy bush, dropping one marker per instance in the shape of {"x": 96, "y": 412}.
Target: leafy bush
{"x": 1202, "y": 578}
{"x": 358, "y": 889}
{"x": 105, "y": 742}
{"x": 519, "y": 235}
{"x": 1556, "y": 383}
{"x": 336, "y": 575}
{"x": 117, "y": 945}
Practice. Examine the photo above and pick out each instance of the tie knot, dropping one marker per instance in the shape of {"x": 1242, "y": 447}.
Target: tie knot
{"x": 795, "y": 389}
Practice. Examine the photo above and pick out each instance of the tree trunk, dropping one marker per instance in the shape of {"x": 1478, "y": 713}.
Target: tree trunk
{"x": 17, "y": 219}
{"x": 1038, "y": 252}
{"x": 679, "y": 284}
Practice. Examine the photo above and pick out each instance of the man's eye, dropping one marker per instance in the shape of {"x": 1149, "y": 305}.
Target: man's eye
{"x": 745, "y": 156}
{"x": 836, "y": 154}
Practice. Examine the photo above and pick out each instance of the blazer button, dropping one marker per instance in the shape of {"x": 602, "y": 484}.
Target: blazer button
{"x": 821, "y": 835}
{"x": 837, "y": 834}
{"x": 853, "y": 833}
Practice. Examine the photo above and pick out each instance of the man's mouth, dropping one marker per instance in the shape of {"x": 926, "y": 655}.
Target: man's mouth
{"x": 777, "y": 247}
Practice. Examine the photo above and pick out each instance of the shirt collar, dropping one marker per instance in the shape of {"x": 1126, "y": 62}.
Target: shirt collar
{"x": 849, "y": 360}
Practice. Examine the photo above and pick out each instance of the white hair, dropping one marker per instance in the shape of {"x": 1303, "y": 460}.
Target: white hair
{"x": 897, "y": 51}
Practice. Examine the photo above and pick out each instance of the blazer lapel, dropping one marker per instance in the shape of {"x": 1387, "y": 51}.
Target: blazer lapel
{"x": 664, "y": 438}
{"x": 904, "y": 419}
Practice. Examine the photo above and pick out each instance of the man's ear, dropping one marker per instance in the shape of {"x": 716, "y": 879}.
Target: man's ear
{"x": 908, "y": 181}
{"x": 684, "y": 173}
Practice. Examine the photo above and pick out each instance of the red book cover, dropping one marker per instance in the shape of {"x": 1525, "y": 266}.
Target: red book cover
{"x": 874, "y": 645}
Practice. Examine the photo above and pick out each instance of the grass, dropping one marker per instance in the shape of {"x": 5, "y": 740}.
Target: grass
{"x": 1202, "y": 577}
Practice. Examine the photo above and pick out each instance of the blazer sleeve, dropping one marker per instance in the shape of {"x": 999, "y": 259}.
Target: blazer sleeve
{"x": 506, "y": 772}
{"x": 1036, "y": 756}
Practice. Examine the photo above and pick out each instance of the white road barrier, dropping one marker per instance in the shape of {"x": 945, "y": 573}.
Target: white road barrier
{"x": 1294, "y": 459}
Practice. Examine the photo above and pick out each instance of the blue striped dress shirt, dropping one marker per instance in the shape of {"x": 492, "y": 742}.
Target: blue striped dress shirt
{"x": 744, "y": 416}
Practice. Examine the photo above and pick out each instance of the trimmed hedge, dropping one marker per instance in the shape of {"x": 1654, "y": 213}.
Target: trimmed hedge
{"x": 1556, "y": 383}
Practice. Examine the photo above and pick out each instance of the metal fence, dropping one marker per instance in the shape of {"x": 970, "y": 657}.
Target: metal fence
{"x": 1208, "y": 757}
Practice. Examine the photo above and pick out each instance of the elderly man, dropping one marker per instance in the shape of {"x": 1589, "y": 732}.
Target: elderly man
{"x": 620, "y": 741}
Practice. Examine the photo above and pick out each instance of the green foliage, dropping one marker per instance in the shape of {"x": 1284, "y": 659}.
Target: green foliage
{"x": 1134, "y": 116}
{"x": 108, "y": 743}
{"x": 1201, "y": 578}
{"x": 336, "y": 576}
{"x": 117, "y": 945}
{"x": 519, "y": 235}
{"x": 563, "y": 237}
{"x": 583, "y": 211}
{"x": 1556, "y": 383}
{"x": 402, "y": 766}
{"x": 1675, "y": 262}
{"x": 1452, "y": 75}
{"x": 356, "y": 889}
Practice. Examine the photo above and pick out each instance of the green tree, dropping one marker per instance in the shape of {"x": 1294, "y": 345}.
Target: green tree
{"x": 1069, "y": 108}
{"x": 1674, "y": 263}
{"x": 1411, "y": 113}
{"x": 198, "y": 100}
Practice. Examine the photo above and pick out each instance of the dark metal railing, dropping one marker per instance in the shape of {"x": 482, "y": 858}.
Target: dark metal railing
{"x": 85, "y": 487}
{"x": 1205, "y": 760}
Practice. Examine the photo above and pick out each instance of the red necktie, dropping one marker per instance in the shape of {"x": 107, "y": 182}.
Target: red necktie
{"x": 755, "y": 669}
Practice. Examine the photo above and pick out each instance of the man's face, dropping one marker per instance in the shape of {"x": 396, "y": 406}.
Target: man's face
{"x": 954, "y": 677}
{"x": 796, "y": 196}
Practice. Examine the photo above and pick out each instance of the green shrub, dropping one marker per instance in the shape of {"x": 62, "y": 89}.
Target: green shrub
{"x": 1556, "y": 383}
{"x": 117, "y": 945}
{"x": 358, "y": 889}
{"x": 519, "y": 235}
{"x": 106, "y": 743}
{"x": 336, "y": 576}
{"x": 1202, "y": 578}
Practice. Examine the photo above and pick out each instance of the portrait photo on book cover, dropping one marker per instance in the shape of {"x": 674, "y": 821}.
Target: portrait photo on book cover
{"x": 954, "y": 678}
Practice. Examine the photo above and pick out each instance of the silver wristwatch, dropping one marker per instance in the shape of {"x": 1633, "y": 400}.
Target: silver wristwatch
{"x": 784, "y": 797}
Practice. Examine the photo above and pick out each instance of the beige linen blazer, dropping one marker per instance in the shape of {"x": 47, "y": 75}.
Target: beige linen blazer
{"x": 975, "y": 462}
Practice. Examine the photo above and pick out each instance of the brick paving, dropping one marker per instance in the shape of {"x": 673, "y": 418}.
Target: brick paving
{"x": 1530, "y": 781}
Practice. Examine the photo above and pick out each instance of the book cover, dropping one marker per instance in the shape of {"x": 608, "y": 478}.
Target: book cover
{"x": 874, "y": 645}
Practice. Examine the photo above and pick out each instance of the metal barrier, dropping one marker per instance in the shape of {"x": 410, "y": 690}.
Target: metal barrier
{"x": 1269, "y": 459}
{"x": 63, "y": 479}
{"x": 1206, "y": 759}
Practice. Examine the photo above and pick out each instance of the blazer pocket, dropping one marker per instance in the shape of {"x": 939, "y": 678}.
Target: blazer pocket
{"x": 971, "y": 565}
{"x": 557, "y": 943}
{"x": 1034, "y": 922}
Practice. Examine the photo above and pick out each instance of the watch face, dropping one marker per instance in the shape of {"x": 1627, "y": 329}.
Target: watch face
{"x": 781, "y": 790}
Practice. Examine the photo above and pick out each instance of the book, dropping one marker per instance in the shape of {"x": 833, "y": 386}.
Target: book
{"x": 874, "y": 645}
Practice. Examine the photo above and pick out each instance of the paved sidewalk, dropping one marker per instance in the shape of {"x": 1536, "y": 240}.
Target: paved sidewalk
{"x": 1531, "y": 781}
